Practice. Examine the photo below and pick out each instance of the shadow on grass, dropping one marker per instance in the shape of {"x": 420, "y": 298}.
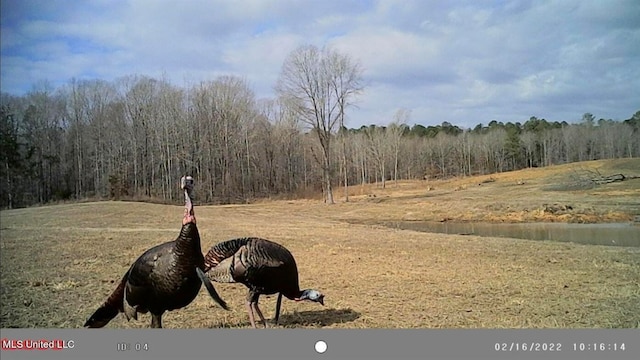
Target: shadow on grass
{"x": 296, "y": 319}
{"x": 319, "y": 318}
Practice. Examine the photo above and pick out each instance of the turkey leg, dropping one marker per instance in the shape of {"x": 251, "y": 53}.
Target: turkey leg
{"x": 257, "y": 309}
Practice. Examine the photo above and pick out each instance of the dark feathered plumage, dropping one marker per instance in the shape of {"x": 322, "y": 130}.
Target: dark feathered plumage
{"x": 265, "y": 267}
{"x": 162, "y": 279}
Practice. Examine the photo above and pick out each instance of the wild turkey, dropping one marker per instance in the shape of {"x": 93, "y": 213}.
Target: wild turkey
{"x": 265, "y": 267}
{"x": 163, "y": 278}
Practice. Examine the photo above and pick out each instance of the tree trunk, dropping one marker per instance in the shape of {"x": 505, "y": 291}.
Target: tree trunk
{"x": 395, "y": 165}
{"x": 9, "y": 190}
{"x": 346, "y": 172}
{"x": 327, "y": 178}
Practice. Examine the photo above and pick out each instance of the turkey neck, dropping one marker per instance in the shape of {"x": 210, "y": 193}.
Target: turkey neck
{"x": 188, "y": 242}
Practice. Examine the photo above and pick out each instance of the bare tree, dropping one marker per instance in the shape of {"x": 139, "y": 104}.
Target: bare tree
{"x": 528, "y": 139}
{"x": 361, "y": 153}
{"x": 129, "y": 138}
{"x": 77, "y": 108}
{"x": 343, "y": 133}
{"x": 395, "y": 133}
{"x": 286, "y": 139}
{"x": 222, "y": 114}
{"x": 234, "y": 107}
{"x": 377, "y": 145}
{"x": 443, "y": 146}
{"x": 319, "y": 84}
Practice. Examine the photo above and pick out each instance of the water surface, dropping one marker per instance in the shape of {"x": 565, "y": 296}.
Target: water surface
{"x": 612, "y": 234}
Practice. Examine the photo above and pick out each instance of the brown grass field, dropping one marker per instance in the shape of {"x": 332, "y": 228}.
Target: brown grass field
{"x": 60, "y": 262}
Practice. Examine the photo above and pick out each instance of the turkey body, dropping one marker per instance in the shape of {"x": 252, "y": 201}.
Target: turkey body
{"x": 263, "y": 266}
{"x": 163, "y": 278}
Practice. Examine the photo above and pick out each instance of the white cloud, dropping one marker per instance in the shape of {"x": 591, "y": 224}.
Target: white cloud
{"x": 389, "y": 53}
{"x": 459, "y": 61}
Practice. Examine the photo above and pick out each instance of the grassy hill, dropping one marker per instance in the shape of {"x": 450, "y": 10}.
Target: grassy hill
{"x": 562, "y": 193}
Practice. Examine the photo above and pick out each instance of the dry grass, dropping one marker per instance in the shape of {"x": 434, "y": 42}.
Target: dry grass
{"x": 518, "y": 196}
{"x": 59, "y": 262}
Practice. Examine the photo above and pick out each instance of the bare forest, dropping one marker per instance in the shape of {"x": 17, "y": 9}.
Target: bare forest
{"x": 133, "y": 137}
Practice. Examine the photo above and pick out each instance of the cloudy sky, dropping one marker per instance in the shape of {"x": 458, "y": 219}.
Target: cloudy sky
{"x": 465, "y": 62}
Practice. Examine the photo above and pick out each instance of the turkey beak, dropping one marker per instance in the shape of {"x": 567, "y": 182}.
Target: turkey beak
{"x": 321, "y": 300}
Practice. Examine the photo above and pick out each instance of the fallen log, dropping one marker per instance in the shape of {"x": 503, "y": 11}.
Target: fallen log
{"x": 608, "y": 179}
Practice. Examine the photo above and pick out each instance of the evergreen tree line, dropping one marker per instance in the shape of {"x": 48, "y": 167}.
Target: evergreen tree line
{"x": 134, "y": 137}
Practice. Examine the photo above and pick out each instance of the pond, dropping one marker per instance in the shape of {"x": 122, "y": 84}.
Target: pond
{"x": 612, "y": 234}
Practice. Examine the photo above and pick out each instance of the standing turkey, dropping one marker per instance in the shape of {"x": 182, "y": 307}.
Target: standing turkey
{"x": 265, "y": 267}
{"x": 163, "y": 278}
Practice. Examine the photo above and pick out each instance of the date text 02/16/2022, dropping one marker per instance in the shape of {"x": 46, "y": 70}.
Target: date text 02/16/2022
{"x": 558, "y": 347}
{"x": 528, "y": 346}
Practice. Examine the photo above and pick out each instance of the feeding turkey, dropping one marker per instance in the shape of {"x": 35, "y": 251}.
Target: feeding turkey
{"x": 263, "y": 266}
{"x": 163, "y": 278}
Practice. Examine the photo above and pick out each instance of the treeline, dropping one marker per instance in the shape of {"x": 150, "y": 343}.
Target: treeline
{"x": 134, "y": 137}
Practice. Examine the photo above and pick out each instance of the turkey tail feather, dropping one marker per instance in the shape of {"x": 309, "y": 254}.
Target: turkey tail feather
{"x": 111, "y": 307}
{"x": 222, "y": 251}
{"x": 211, "y": 260}
{"x": 212, "y": 290}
